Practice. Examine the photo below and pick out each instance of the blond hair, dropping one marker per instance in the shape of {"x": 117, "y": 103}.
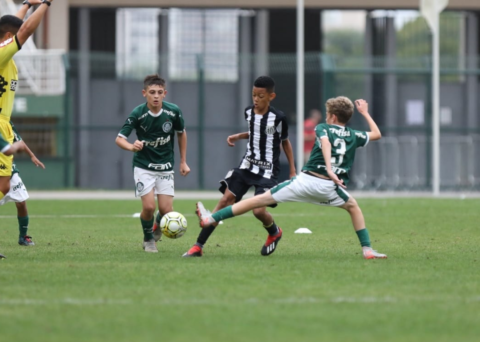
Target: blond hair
{"x": 341, "y": 107}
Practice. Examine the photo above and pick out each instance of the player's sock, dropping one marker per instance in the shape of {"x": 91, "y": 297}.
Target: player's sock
{"x": 204, "y": 235}
{"x": 223, "y": 214}
{"x": 147, "y": 227}
{"x": 271, "y": 229}
{"x": 22, "y": 225}
{"x": 364, "y": 237}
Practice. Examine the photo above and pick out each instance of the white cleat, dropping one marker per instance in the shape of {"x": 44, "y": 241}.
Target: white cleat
{"x": 204, "y": 215}
{"x": 369, "y": 253}
{"x": 150, "y": 246}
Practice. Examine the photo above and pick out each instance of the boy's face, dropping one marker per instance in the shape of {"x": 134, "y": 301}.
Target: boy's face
{"x": 154, "y": 95}
{"x": 261, "y": 98}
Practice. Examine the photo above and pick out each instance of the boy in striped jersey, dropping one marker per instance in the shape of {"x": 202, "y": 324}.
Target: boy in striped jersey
{"x": 267, "y": 131}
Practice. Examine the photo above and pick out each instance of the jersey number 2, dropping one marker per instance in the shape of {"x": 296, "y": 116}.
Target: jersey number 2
{"x": 340, "y": 151}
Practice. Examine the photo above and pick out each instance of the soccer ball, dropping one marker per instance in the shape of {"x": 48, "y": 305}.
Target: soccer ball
{"x": 173, "y": 225}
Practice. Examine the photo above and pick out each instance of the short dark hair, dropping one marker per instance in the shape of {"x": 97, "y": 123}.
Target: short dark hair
{"x": 265, "y": 82}
{"x": 9, "y": 23}
{"x": 153, "y": 80}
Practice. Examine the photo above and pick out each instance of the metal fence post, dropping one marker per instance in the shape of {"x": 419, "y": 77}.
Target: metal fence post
{"x": 201, "y": 120}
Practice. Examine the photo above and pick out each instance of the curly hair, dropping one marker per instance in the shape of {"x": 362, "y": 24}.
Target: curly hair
{"x": 341, "y": 107}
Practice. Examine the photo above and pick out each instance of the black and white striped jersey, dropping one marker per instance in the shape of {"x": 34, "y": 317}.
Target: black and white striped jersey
{"x": 265, "y": 135}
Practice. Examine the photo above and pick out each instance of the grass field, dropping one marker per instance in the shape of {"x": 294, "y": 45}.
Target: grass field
{"x": 88, "y": 279}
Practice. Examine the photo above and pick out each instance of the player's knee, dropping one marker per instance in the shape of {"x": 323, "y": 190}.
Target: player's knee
{"x": 21, "y": 205}
{"x": 5, "y": 188}
{"x": 149, "y": 209}
{"x": 351, "y": 204}
{"x": 165, "y": 209}
{"x": 259, "y": 213}
{"x": 226, "y": 200}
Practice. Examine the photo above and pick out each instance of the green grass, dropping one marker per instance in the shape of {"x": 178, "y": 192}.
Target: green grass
{"x": 88, "y": 279}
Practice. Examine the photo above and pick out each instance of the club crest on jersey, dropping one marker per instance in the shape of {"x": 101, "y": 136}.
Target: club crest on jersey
{"x": 13, "y": 85}
{"x": 167, "y": 126}
{"x": 140, "y": 186}
{"x": 270, "y": 130}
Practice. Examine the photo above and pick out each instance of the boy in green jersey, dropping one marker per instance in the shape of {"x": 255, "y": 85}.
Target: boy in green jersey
{"x": 324, "y": 177}
{"x": 156, "y": 123}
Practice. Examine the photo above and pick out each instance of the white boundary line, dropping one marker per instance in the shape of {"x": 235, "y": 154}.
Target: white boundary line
{"x": 215, "y": 195}
{"x": 252, "y": 301}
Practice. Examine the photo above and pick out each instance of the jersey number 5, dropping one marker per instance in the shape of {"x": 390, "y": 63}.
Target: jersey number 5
{"x": 340, "y": 151}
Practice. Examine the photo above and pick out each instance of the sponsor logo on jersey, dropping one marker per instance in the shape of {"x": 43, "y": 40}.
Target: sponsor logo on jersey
{"x": 167, "y": 126}
{"x": 142, "y": 116}
{"x": 6, "y": 42}
{"x": 3, "y": 85}
{"x": 160, "y": 167}
{"x": 270, "y": 130}
{"x": 140, "y": 186}
{"x": 168, "y": 112}
{"x": 13, "y": 85}
{"x": 260, "y": 163}
{"x": 360, "y": 135}
{"x": 336, "y": 170}
{"x": 3, "y": 167}
{"x": 159, "y": 142}
{"x": 328, "y": 202}
{"x": 340, "y": 132}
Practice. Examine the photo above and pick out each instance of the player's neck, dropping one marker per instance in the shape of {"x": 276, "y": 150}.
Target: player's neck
{"x": 155, "y": 109}
{"x": 261, "y": 112}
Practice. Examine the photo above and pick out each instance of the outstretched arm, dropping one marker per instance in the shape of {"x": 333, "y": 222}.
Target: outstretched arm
{"x": 22, "y": 12}
{"x": 182, "y": 145}
{"x": 34, "y": 159}
{"x": 31, "y": 24}
{"x": 287, "y": 148}
{"x": 362, "y": 107}
{"x": 235, "y": 137}
{"x": 14, "y": 148}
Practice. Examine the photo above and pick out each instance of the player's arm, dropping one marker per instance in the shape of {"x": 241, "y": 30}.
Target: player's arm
{"x": 128, "y": 127}
{"x": 182, "y": 145}
{"x": 31, "y": 24}
{"x": 22, "y": 12}
{"x": 9, "y": 150}
{"x": 362, "y": 107}
{"x": 327, "y": 156}
{"x": 235, "y": 137}
{"x": 287, "y": 148}
{"x": 17, "y": 137}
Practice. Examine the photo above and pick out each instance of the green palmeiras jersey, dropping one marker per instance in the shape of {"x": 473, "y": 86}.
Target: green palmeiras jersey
{"x": 345, "y": 142}
{"x": 157, "y": 131}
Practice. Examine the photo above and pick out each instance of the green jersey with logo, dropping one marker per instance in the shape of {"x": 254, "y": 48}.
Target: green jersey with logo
{"x": 344, "y": 142}
{"x": 157, "y": 131}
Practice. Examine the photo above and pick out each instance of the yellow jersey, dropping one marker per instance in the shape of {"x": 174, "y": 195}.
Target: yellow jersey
{"x": 8, "y": 76}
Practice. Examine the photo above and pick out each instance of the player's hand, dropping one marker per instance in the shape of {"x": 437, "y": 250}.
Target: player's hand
{"x": 37, "y": 162}
{"x": 293, "y": 173}
{"x": 137, "y": 146}
{"x": 231, "y": 140}
{"x": 184, "y": 169}
{"x": 335, "y": 179}
{"x": 362, "y": 106}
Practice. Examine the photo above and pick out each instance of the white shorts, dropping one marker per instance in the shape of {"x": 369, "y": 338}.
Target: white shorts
{"x": 309, "y": 189}
{"x": 146, "y": 180}
{"x": 18, "y": 193}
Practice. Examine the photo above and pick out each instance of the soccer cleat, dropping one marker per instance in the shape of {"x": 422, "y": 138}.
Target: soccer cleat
{"x": 157, "y": 232}
{"x": 195, "y": 251}
{"x": 369, "y": 253}
{"x": 204, "y": 215}
{"x": 26, "y": 241}
{"x": 272, "y": 242}
{"x": 2, "y": 256}
{"x": 150, "y": 246}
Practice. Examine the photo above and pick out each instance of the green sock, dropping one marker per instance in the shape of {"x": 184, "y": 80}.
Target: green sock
{"x": 147, "y": 227}
{"x": 364, "y": 237}
{"x": 23, "y": 225}
{"x": 223, "y": 214}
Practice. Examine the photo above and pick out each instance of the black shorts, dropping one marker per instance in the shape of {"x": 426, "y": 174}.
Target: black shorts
{"x": 238, "y": 181}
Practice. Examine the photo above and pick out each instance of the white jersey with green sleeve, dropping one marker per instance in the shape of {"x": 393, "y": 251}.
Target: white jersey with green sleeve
{"x": 345, "y": 142}
{"x": 157, "y": 131}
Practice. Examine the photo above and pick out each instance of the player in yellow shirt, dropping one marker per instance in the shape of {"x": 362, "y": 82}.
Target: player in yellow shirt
{"x": 13, "y": 34}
